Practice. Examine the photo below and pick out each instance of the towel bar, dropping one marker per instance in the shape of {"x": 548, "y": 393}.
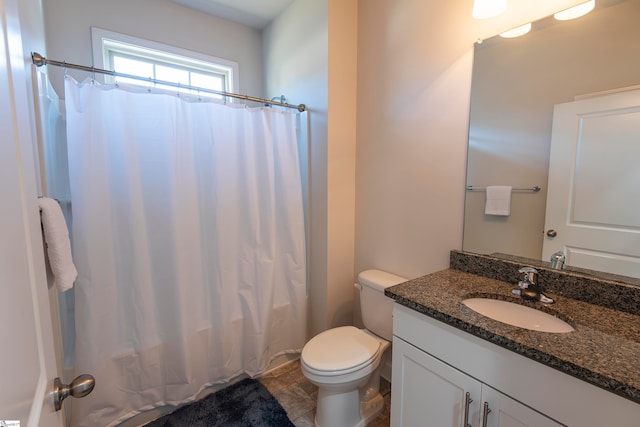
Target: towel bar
{"x": 534, "y": 189}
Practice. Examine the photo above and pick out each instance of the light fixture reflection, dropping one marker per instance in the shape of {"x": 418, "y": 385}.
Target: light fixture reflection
{"x": 575, "y": 11}
{"x": 483, "y": 9}
{"x": 517, "y": 32}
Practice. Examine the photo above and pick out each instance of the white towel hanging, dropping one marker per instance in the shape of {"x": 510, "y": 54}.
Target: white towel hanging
{"x": 56, "y": 237}
{"x": 498, "y": 200}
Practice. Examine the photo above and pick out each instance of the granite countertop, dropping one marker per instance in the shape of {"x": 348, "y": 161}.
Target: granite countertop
{"x": 604, "y": 349}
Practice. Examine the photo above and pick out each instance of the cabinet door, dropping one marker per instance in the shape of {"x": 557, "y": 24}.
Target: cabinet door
{"x": 506, "y": 412}
{"x": 428, "y": 392}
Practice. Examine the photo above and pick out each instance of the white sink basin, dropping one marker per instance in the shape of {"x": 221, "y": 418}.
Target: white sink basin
{"x": 517, "y": 315}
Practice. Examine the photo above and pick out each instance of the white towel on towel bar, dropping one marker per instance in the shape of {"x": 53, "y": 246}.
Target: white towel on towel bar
{"x": 498, "y": 200}
{"x": 56, "y": 237}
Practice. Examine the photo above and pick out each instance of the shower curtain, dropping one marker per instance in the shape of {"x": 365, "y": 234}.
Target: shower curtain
{"x": 189, "y": 240}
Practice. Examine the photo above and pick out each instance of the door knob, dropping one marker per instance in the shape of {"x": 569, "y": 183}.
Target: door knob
{"x": 552, "y": 233}
{"x": 79, "y": 387}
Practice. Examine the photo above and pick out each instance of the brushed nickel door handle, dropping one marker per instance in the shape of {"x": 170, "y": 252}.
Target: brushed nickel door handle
{"x": 467, "y": 402}
{"x": 485, "y": 414}
{"x": 79, "y": 387}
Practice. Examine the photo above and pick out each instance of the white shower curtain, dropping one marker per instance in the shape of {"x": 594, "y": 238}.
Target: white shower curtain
{"x": 189, "y": 239}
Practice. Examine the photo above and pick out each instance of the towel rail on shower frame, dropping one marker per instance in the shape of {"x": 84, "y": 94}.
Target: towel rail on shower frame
{"x": 535, "y": 189}
{"x": 39, "y": 60}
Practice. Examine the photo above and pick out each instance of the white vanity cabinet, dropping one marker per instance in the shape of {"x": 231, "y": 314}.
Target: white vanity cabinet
{"x": 431, "y": 393}
{"x": 436, "y": 365}
{"x": 426, "y": 391}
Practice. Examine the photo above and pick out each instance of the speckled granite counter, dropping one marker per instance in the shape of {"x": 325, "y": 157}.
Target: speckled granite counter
{"x": 604, "y": 349}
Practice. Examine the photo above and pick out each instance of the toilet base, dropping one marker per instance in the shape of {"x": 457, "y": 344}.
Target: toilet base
{"x": 371, "y": 409}
{"x": 368, "y": 411}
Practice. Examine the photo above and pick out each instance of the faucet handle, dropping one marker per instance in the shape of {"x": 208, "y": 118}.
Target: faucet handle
{"x": 529, "y": 288}
{"x": 530, "y": 275}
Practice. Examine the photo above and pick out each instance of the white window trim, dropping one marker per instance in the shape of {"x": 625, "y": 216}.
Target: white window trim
{"x": 101, "y": 60}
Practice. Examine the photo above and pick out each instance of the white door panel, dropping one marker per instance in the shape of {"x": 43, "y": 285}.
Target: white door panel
{"x": 27, "y": 360}
{"x": 593, "y": 200}
{"x": 603, "y": 261}
{"x": 607, "y": 176}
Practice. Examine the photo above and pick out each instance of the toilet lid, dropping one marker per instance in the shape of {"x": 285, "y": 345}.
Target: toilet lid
{"x": 340, "y": 348}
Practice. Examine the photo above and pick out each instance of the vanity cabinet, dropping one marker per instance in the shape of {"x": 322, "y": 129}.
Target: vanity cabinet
{"x": 436, "y": 365}
{"x": 432, "y": 393}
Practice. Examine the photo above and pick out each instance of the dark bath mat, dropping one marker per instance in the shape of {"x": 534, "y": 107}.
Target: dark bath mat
{"x": 244, "y": 404}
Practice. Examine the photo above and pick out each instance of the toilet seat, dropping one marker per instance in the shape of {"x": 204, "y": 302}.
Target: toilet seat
{"x": 340, "y": 351}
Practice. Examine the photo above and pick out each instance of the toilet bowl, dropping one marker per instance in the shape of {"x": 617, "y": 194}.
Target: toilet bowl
{"x": 344, "y": 362}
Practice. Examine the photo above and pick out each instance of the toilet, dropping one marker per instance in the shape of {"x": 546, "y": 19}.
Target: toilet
{"x": 344, "y": 362}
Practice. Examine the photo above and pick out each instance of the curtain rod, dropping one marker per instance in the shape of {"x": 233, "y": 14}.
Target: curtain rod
{"x": 39, "y": 60}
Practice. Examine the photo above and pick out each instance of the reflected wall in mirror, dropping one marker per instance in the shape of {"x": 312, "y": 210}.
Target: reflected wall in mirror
{"x": 516, "y": 83}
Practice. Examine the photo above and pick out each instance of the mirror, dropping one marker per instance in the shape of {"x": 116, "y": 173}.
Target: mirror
{"x": 516, "y": 83}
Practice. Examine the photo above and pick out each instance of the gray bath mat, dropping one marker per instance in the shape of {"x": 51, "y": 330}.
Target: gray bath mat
{"x": 244, "y": 404}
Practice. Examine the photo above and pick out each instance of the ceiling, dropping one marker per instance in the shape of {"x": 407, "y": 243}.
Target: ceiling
{"x": 254, "y": 13}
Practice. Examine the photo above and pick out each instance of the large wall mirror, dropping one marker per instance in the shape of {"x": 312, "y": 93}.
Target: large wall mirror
{"x": 516, "y": 84}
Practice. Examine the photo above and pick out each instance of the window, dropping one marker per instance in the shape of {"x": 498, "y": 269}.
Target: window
{"x": 143, "y": 58}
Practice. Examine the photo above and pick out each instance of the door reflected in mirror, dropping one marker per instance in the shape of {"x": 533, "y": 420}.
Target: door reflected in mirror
{"x": 516, "y": 84}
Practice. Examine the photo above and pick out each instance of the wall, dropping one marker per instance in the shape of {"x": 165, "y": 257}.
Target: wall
{"x": 32, "y": 25}
{"x": 414, "y": 79}
{"x": 341, "y": 159}
{"x": 510, "y": 133}
{"x": 33, "y": 39}
{"x": 413, "y": 95}
{"x": 310, "y": 56}
{"x": 68, "y": 30}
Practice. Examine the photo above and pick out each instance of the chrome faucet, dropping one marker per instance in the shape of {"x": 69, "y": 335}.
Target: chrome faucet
{"x": 557, "y": 260}
{"x": 529, "y": 288}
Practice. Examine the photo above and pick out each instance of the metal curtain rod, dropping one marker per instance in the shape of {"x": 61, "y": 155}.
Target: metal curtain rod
{"x": 534, "y": 189}
{"x": 40, "y": 60}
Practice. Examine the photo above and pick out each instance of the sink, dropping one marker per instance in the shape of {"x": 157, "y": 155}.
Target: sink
{"x": 518, "y": 315}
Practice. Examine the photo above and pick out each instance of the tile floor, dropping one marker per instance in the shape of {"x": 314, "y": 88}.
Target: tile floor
{"x": 298, "y": 396}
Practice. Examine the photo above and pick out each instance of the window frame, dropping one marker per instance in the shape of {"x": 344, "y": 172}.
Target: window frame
{"x": 104, "y": 42}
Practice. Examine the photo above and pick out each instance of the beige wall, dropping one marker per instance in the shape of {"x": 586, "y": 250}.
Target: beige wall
{"x": 414, "y": 68}
{"x": 414, "y": 78}
{"x": 515, "y": 86}
{"x": 68, "y": 31}
{"x": 341, "y": 159}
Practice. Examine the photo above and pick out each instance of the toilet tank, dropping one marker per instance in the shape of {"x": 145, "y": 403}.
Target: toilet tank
{"x": 375, "y": 307}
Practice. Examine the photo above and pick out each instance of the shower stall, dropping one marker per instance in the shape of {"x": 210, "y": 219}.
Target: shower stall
{"x": 188, "y": 224}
